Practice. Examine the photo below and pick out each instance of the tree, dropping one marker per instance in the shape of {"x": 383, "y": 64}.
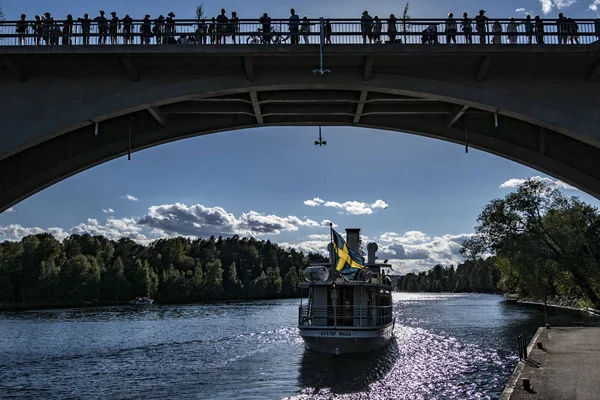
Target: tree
{"x": 80, "y": 278}
{"x": 405, "y": 24}
{"x": 231, "y": 284}
{"x": 544, "y": 241}
{"x": 289, "y": 287}
{"x": 213, "y": 279}
{"x": 114, "y": 280}
{"x": 199, "y": 12}
{"x": 88, "y": 267}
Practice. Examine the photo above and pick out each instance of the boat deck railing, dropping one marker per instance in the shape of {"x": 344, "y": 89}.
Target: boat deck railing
{"x": 345, "y": 315}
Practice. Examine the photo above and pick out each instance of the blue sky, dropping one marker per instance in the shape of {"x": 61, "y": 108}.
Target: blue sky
{"x": 312, "y": 8}
{"x": 417, "y": 197}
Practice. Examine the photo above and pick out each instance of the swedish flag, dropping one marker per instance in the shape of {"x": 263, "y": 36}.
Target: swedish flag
{"x": 347, "y": 261}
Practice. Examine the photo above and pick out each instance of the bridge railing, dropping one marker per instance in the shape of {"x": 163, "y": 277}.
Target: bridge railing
{"x": 336, "y": 31}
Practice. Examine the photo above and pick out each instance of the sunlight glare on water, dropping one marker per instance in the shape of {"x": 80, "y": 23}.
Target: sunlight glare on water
{"x": 446, "y": 347}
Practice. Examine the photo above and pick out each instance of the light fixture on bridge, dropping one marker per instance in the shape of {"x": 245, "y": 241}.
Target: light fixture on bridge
{"x": 320, "y": 142}
{"x": 321, "y": 71}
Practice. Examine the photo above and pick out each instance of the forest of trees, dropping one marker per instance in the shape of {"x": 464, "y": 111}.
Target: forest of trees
{"x": 40, "y": 269}
{"x": 479, "y": 276}
{"x": 534, "y": 242}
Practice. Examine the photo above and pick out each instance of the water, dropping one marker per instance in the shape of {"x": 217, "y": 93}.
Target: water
{"x": 447, "y": 347}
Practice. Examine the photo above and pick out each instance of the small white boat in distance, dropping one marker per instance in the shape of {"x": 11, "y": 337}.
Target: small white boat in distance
{"x": 347, "y": 312}
{"x": 141, "y": 301}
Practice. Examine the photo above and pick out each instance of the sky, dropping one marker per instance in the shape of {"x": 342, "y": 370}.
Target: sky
{"x": 417, "y": 197}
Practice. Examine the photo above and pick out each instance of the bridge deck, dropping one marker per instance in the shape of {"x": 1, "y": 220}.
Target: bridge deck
{"x": 473, "y": 61}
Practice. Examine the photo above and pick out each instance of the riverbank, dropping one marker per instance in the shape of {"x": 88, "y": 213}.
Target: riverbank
{"x": 569, "y": 303}
{"x": 10, "y": 307}
{"x": 562, "y": 367}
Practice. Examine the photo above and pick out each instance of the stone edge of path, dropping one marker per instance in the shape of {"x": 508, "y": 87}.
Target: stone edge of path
{"x": 514, "y": 379}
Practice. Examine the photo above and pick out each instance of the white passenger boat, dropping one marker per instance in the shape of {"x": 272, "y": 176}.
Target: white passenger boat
{"x": 142, "y": 301}
{"x": 349, "y": 307}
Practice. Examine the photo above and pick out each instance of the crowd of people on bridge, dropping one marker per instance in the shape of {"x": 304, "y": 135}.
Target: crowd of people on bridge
{"x": 217, "y": 30}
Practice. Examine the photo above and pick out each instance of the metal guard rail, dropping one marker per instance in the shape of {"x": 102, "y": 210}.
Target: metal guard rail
{"x": 250, "y": 31}
{"x": 346, "y": 315}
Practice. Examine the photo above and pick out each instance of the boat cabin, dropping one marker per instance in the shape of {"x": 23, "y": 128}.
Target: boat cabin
{"x": 334, "y": 301}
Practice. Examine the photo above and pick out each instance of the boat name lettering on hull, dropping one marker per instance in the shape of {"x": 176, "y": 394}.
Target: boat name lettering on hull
{"x": 335, "y": 333}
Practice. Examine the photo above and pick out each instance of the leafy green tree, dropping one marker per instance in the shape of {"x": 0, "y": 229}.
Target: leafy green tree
{"x": 213, "y": 280}
{"x": 232, "y": 286}
{"x": 545, "y": 239}
{"x": 80, "y": 278}
{"x": 289, "y": 287}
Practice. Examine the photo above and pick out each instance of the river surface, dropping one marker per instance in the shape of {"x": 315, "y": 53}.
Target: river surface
{"x": 447, "y": 346}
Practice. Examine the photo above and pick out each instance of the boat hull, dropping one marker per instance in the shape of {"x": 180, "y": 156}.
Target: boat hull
{"x": 346, "y": 340}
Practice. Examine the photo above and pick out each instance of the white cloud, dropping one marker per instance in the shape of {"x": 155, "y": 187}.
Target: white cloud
{"x": 380, "y": 204}
{"x": 553, "y": 183}
{"x": 113, "y": 229}
{"x": 18, "y": 232}
{"x": 411, "y": 251}
{"x": 9, "y": 210}
{"x": 326, "y": 223}
{"x": 108, "y": 211}
{"x": 595, "y": 5}
{"x": 548, "y": 5}
{"x": 560, "y": 4}
{"x": 198, "y": 220}
{"x": 129, "y": 197}
{"x": 314, "y": 202}
{"x": 349, "y": 207}
{"x": 520, "y": 10}
{"x": 410, "y": 237}
{"x": 178, "y": 219}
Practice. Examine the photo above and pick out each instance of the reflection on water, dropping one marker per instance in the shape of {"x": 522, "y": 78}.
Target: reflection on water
{"x": 446, "y": 347}
{"x": 347, "y": 373}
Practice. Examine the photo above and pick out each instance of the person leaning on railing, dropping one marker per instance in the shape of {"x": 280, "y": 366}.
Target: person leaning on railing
{"x": 86, "y": 26}
{"x": 128, "y": 29}
{"x": 294, "y": 27}
{"x": 366, "y": 27}
{"x": 392, "y": 30}
{"x": 529, "y": 28}
{"x": 451, "y": 29}
{"x": 467, "y": 27}
{"x": 67, "y": 31}
{"x": 22, "y": 29}
{"x": 327, "y": 29}
{"x": 222, "y": 23}
{"x": 538, "y": 28}
{"x": 170, "y": 29}
{"x": 265, "y": 21}
{"x": 202, "y": 32}
{"x": 512, "y": 31}
{"x": 234, "y": 24}
{"x": 113, "y": 28}
{"x": 146, "y": 30}
{"x": 572, "y": 31}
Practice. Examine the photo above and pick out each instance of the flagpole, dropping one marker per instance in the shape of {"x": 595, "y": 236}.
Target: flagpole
{"x": 334, "y": 269}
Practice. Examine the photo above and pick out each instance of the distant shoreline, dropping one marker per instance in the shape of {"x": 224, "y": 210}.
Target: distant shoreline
{"x": 12, "y": 307}
{"x": 567, "y": 304}
{"x": 17, "y": 307}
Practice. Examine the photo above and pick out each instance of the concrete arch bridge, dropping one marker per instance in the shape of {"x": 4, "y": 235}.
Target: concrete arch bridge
{"x": 65, "y": 109}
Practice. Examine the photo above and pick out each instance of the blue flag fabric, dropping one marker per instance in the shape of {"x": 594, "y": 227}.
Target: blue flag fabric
{"x": 347, "y": 261}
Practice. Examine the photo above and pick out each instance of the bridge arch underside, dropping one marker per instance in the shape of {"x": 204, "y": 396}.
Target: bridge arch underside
{"x": 48, "y": 162}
